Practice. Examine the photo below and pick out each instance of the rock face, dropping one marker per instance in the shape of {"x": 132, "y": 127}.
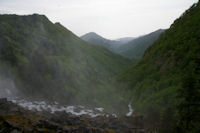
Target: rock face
{"x": 15, "y": 119}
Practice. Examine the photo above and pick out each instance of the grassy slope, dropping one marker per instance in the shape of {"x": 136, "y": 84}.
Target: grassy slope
{"x": 47, "y": 60}
{"x": 154, "y": 81}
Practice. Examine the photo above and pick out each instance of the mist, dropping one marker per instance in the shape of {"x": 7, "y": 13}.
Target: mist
{"x": 8, "y": 88}
{"x": 51, "y": 64}
{"x": 52, "y": 80}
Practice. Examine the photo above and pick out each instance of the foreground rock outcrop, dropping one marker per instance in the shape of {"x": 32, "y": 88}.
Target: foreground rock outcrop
{"x": 15, "y": 119}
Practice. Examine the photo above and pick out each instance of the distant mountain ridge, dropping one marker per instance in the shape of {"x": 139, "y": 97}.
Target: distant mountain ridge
{"x": 91, "y": 35}
{"x": 125, "y": 40}
{"x": 96, "y": 39}
{"x": 136, "y": 48}
{"x": 130, "y": 47}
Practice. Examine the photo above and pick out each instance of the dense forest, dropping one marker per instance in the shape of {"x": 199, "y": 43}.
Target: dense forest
{"x": 136, "y": 48}
{"x": 156, "y": 77}
{"x": 164, "y": 84}
{"x": 130, "y": 47}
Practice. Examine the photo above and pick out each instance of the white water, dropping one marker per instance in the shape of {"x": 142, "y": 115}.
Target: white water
{"x": 54, "y": 107}
{"x": 130, "y": 110}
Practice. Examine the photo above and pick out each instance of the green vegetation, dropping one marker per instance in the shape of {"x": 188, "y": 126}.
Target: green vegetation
{"x": 189, "y": 106}
{"x": 136, "y": 48}
{"x": 164, "y": 84}
{"x": 132, "y": 49}
{"x": 48, "y": 61}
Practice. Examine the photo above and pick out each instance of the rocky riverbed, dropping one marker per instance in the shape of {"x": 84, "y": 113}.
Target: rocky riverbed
{"x": 17, "y": 119}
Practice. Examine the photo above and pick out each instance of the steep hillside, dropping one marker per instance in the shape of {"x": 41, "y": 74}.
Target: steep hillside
{"x": 135, "y": 48}
{"x": 48, "y": 61}
{"x": 157, "y": 83}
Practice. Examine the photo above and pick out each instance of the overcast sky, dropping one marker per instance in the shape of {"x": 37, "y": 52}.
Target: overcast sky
{"x": 109, "y": 18}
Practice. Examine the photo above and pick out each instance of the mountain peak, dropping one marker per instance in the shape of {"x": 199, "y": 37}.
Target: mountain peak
{"x": 91, "y": 35}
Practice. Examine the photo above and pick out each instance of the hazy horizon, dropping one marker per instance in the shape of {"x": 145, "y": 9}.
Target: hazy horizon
{"x": 108, "y": 18}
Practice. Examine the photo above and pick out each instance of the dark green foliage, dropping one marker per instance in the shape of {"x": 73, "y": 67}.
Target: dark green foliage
{"x": 48, "y": 61}
{"x": 155, "y": 80}
{"x": 189, "y": 96}
{"x": 167, "y": 120}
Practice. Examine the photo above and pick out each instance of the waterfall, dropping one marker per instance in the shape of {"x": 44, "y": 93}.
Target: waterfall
{"x": 130, "y": 110}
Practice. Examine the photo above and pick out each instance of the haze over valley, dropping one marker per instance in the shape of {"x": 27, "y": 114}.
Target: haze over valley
{"x": 52, "y": 80}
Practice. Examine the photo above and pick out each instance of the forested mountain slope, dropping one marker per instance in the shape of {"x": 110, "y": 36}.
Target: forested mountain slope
{"x": 48, "y": 61}
{"x": 165, "y": 83}
{"x": 129, "y": 47}
{"x": 135, "y": 48}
